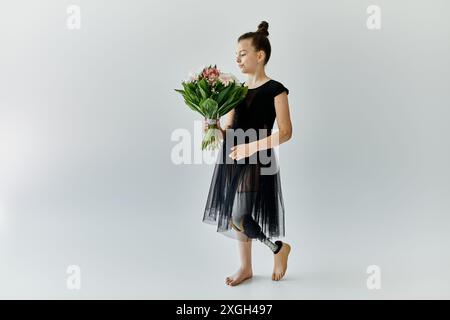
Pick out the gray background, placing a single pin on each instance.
(86, 175)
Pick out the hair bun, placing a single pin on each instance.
(263, 27)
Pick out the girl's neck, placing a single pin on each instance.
(256, 79)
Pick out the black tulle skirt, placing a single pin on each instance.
(252, 184)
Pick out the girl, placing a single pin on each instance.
(245, 198)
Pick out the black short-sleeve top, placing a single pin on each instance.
(257, 110)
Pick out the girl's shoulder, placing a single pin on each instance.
(276, 87)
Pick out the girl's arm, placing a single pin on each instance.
(284, 126)
(284, 132)
(229, 121)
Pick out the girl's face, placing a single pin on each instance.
(247, 58)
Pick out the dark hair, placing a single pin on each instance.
(259, 39)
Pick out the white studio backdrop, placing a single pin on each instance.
(92, 204)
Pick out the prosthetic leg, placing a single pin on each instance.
(242, 221)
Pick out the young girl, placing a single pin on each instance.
(245, 198)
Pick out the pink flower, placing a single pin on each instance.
(211, 74)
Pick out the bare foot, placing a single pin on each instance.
(280, 262)
(239, 276)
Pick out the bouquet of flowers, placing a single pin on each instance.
(212, 94)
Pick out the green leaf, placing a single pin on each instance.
(204, 88)
(224, 94)
(229, 100)
(193, 106)
(191, 93)
(210, 108)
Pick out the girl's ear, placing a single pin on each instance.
(261, 54)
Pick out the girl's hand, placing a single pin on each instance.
(205, 125)
(243, 150)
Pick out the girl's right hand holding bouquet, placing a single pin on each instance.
(206, 125)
